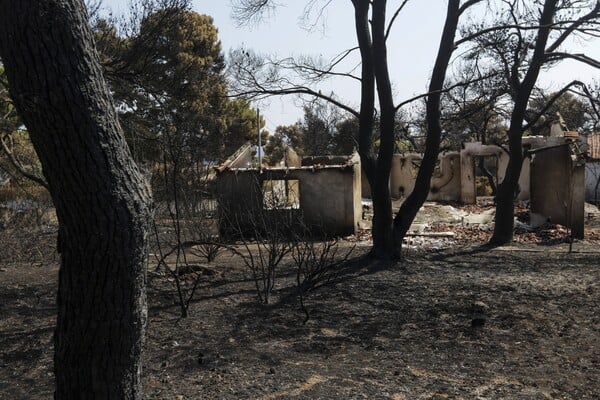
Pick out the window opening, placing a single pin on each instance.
(281, 194)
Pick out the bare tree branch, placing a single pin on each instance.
(247, 12)
(393, 19)
(445, 90)
(593, 14)
(551, 101)
(578, 57)
(19, 166)
(256, 94)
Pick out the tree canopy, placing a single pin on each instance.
(323, 130)
(168, 77)
(572, 109)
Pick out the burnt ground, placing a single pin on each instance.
(377, 331)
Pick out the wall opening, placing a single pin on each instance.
(486, 175)
(281, 194)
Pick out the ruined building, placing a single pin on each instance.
(325, 192)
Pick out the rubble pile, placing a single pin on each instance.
(441, 226)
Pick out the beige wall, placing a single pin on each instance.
(454, 180)
(558, 189)
(330, 195)
(445, 183)
(403, 174)
(330, 201)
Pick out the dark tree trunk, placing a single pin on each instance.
(388, 232)
(383, 219)
(367, 101)
(415, 200)
(374, 169)
(102, 201)
(505, 196)
(504, 219)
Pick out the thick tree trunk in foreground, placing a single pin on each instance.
(101, 199)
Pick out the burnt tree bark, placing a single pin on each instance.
(504, 219)
(374, 74)
(370, 24)
(367, 117)
(102, 201)
(415, 200)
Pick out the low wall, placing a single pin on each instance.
(328, 198)
(558, 187)
(445, 183)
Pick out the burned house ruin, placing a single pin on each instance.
(324, 193)
(320, 193)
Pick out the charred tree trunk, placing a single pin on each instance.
(388, 232)
(505, 196)
(415, 200)
(102, 201)
(504, 219)
(367, 102)
(374, 169)
(384, 247)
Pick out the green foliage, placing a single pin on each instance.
(239, 126)
(321, 132)
(317, 130)
(284, 135)
(9, 120)
(472, 120)
(168, 82)
(573, 110)
(344, 141)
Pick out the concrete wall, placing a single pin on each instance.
(468, 157)
(455, 177)
(403, 174)
(558, 188)
(554, 178)
(291, 158)
(445, 183)
(330, 197)
(472, 151)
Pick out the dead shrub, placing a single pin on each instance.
(316, 263)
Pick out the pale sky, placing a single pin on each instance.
(411, 48)
(410, 61)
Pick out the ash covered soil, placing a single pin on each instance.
(449, 321)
